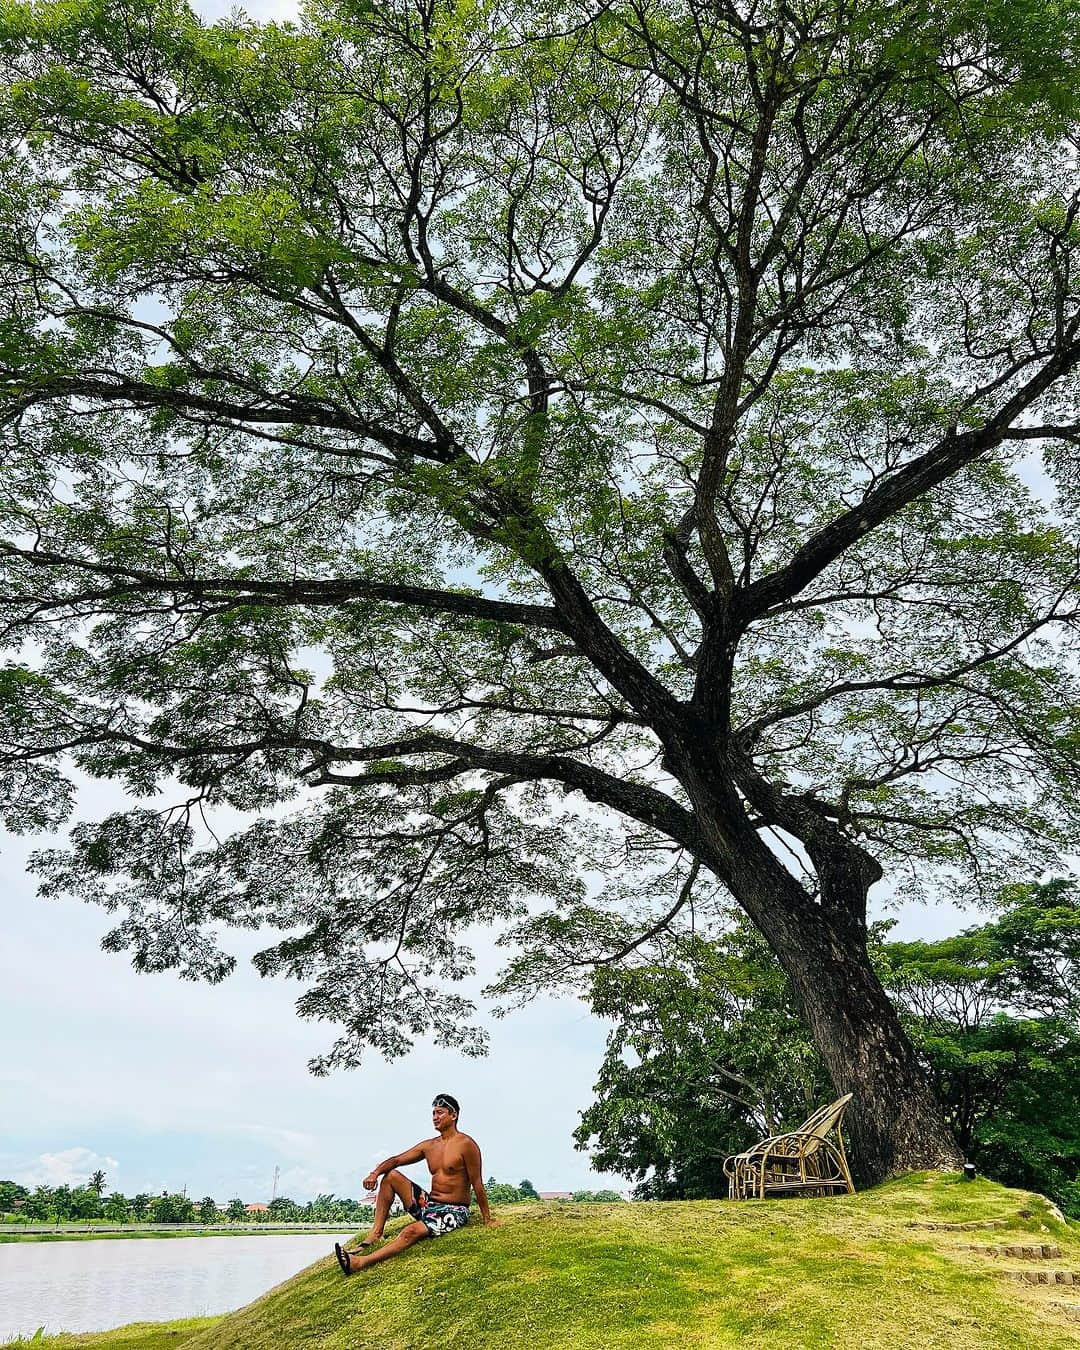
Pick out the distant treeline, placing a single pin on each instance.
(65, 1203)
(503, 1193)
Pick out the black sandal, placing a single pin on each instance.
(343, 1258)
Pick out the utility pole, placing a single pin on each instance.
(277, 1173)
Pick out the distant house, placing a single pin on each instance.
(556, 1195)
(257, 1209)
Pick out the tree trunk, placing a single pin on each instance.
(895, 1122)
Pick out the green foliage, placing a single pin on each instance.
(235, 1209)
(84, 1203)
(168, 1208)
(37, 1203)
(117, 1209)
(502, 1192)
(995, 1013)
(208, 1210)
(708, 1049)
(12, 1196)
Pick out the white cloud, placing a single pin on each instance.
(69, 1167)
(301, 1182)
(290, 1143)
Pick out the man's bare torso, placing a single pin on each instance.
(446, 1161)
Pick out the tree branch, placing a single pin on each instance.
(951, 454)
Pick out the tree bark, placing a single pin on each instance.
(895, 1121)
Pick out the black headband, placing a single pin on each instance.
(444, 1099)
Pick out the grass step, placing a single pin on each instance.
(1044, 1251)
(958, 1227)
(1044, 1276)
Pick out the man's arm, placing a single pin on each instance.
(411, 1155)
(476, 1180)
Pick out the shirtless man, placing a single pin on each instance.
(454, 1162)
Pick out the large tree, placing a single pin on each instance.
(572, 450)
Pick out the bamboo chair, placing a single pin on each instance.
(807, 1161)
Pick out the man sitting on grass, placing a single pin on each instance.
(454, 1162)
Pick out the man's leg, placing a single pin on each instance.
(393, 1183)
(409, 1235)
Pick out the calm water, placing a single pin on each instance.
(88, 1286)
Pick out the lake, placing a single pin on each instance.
(90, 1286)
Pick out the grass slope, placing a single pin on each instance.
(135, 1336)
(797, 1275)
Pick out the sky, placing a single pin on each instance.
(168, 1085)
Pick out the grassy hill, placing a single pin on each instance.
(890, 1268)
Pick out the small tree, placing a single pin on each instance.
(527, 1190)
(85, 1203)
(96, 1182)
(323, 1208)
(162, 1209)
(117, 1209)
(173, 1208)
(236, 1210)
(12, 1196)
(140, 1205)
(60, 1202)
(501, 1192)
(208, 1210)
(39, 1203)
(707, 1051)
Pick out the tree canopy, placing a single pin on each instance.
(566, 450)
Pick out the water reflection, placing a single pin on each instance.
(89, 1286)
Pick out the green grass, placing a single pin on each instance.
(135, 1336)
(789, 1275)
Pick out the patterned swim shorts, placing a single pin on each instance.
(438, 1218)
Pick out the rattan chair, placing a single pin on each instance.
(807, 1161)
